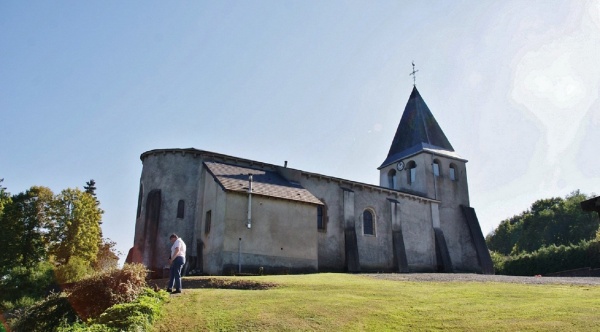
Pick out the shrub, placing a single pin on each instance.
(75, 270)
(81, 327)
(498, 260)
(20, 303)
(551, 259)
(135, 316)
(88, 298)
(33, 283)
(92, 296)
(46, 315)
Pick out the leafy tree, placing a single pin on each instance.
(552, 221)
(75, 270)
(107, 257)
(32, 282)
(4, 197)
(25, 222)
(5, 258)
(77, 231)
(505, 236)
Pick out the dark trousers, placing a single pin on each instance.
(175, 273)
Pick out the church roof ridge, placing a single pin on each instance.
(226, 159)
(418, 130)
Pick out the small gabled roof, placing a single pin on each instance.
(265, 183)
(418, 130)
(592, 204)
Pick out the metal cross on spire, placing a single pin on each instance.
(413, 74)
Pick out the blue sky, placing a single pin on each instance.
(86, 87)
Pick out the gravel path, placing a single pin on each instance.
(465, 277)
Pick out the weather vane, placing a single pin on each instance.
(413, 74)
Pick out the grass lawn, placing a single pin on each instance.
(346, 302)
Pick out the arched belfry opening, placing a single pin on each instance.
(392, 179)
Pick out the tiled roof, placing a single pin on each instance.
(418, 130)
(265, 183)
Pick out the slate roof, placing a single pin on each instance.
(418, 130)
(266, 183)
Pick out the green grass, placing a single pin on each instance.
(345, 302)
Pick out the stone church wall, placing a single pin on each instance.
(214, 200)
(417, 229)
(282, 235)
(452, 194)
(176, 176)
(331, 239)
(375, 251)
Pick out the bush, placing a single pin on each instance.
(92, 296)
(498, 260)
(87, 299)
(46, 315)
(21, 303)
(550, 259)
(21, 282)
(81, 327)
(135, 316)
(75, 270)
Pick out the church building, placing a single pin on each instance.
(244, 216)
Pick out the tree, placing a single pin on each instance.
(4, 197)
(75, 270)
(108, 256)
(25, 223)
(77, 231)
(505, 236)
(551, 221)
(32, 282)
(90, 187)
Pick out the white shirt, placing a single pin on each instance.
(178, 244)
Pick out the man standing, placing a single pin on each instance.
(176, 261)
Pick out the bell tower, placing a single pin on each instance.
(421, 159)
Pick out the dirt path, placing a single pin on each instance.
(463, 277)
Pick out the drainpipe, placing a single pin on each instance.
(249, 222)
(240, 256)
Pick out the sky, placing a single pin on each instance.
(87, 86)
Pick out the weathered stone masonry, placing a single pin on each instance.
(418, 218)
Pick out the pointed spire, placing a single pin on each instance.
(418, 130)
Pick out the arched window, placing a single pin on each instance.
(452, 171)
(392, 179)
(411, 172)
(368, 223)
(180, 209)
(436, 167)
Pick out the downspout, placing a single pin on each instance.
(249, 221)
(240, 256)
